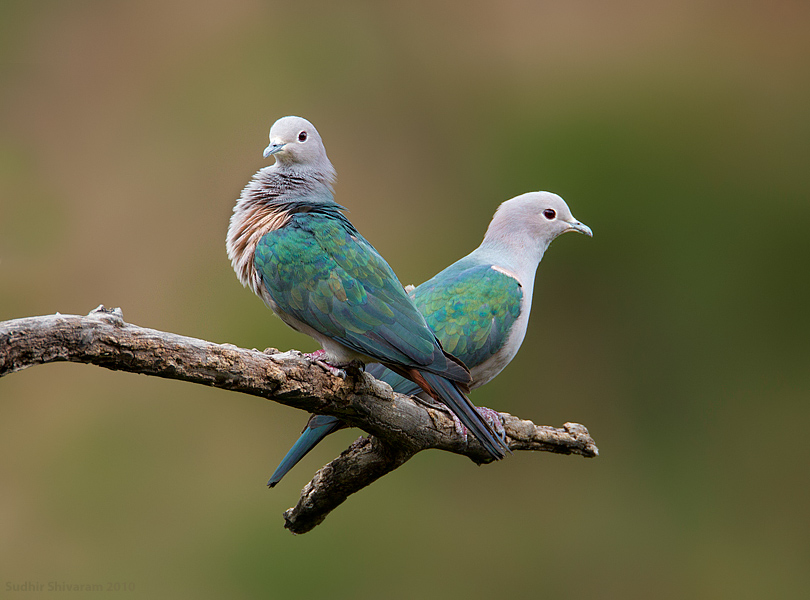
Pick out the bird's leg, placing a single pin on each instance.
(315, 357)
(460, 428)
(493, 417)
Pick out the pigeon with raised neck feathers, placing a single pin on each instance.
(290, 243)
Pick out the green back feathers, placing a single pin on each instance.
(471, 309)
(319, 269)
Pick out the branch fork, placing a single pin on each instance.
(399, 426)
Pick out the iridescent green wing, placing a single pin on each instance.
(471, 309)
(320, 270)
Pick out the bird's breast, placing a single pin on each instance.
(248, 224)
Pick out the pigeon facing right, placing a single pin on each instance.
(479, 306)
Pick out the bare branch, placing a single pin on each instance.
(399, 425)
(363, 463)
(368, 459)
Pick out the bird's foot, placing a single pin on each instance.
(492, 417)
(336, 371)
(460, 428)
(315, 357)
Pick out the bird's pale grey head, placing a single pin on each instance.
(297, 145)
(533, 220)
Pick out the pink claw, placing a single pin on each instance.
(460, 428)
(315, 358)
(493, 417)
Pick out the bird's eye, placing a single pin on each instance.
(549, 213)
(302, 137)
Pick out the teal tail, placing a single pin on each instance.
(318, 427)
(465, 411)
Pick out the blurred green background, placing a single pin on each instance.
(679, 131)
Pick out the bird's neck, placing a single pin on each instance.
(516, 251)
(267, 203)
(285, 184)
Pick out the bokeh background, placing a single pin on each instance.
(679, 131)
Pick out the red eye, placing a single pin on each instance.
(302, 137)
(549, 214)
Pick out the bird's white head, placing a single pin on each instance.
(527, 224)
(296, 144)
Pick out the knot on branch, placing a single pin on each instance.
(110, 315)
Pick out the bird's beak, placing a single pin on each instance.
(580, 227)
(272, 149)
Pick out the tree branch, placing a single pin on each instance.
(399, 425)
(368, 459)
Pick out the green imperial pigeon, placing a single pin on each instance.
(479, 306)
(290, 243)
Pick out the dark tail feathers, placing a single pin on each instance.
(318, 427)
(461, 406)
